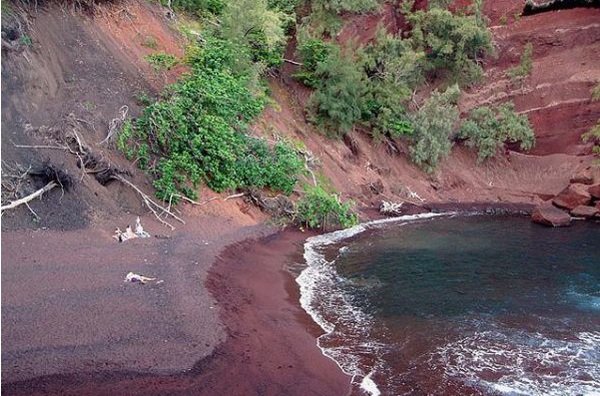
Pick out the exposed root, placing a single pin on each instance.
(30, 197)
(153, 206)
(115, 125)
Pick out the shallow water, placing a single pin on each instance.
(464, 305)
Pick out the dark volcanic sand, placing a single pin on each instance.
(270, 348)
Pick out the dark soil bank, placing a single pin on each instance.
(270, 347)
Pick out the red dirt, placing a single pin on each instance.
(71, 326)
(270, 348)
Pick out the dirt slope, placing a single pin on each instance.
(566, 66)
(75, 76)
(78, 74)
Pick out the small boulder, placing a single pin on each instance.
(549, 215)
(594, 191)
(584, 176)
(584, 211)
(572, 196)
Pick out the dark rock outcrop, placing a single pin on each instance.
(584, 211)
(549, 215)
(573, 196)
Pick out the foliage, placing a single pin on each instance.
(489, 128)
(150, 42)
(373, 85)
(452, 42)
(340, 6)
(312, 52)
(339, 100)
(196, 132)
(593, 134)
(319, 209)
(433, 125)
(324, 17)
(394, 70)
(161, 61)
(256, 30)
(198, 7)
(596, 93)
(518, 73)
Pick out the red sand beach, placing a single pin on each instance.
(71, 326)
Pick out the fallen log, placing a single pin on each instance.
(30, 197)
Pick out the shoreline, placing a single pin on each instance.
(269, 348)
(267, 331)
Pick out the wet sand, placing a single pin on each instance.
(71, 326)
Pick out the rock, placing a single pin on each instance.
(572, 196)
(583, 176)
(584, 211)
(549, 215)
(594, 191)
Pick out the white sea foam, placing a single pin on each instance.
(321, 297)
(369, 386)
(515, 362)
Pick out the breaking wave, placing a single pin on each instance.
(331, 307)
(515, 362)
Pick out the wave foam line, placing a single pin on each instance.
(320, 294)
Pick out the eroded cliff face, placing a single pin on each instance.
(89, 67)
(556, 97)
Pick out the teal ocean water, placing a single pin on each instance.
(469, 305)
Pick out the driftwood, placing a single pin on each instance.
(30, 197)
(153, 206)
(391, 208)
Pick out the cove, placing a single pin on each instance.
(459, 305)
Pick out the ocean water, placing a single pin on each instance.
(459, 305)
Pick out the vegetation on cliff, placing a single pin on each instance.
(375, 86)
(197, 131)
(594, 133)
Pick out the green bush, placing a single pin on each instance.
(319, 209)
(161, 61)
(593, 134)
(488, 129)
(312, 53)
(518, 73)
(339, 101)
(452, 42)
(394, 70)
(197, 132)
(433, 125)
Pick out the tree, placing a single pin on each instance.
(489, 129)
(339, 100)
(433, 125)
(256, 29)
(452, 42)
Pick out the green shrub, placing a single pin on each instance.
(452, 42)
(340, 98)
(518, 73)
(161, 61)
(394, 70)
(319, 209)
(256, 31)
(593, 134)
(312, 53)
(197, 132)
(433, 125)
(488, 129)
